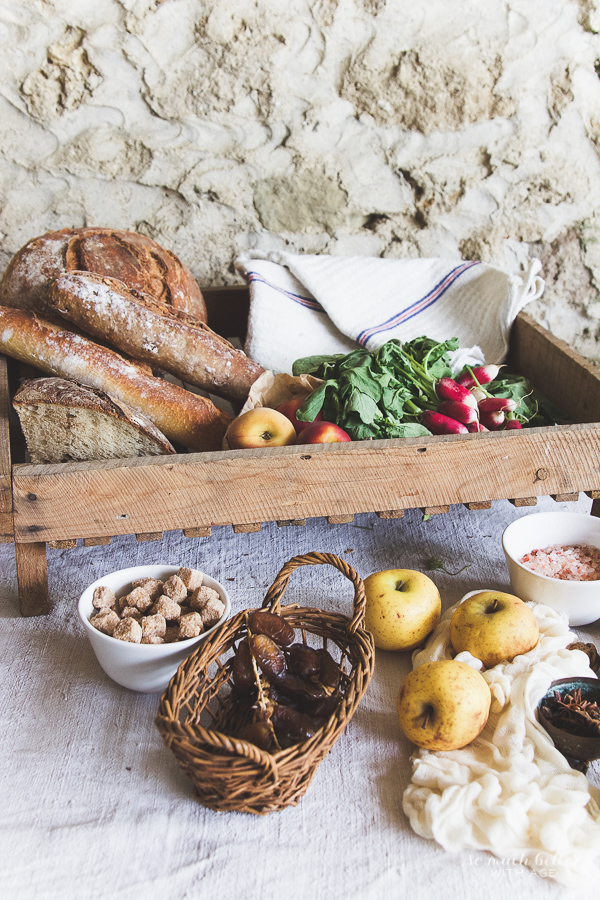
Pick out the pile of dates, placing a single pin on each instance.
(291, 688)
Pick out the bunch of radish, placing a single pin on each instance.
(465, 407)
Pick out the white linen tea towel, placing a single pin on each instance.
(307, 305)
(510, 791)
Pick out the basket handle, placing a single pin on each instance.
(277, 589)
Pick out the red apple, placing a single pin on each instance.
(291, 407)
(260, 427)
(322, 433)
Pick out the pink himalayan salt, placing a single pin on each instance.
(571, 562)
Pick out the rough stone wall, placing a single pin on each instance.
(381, 127)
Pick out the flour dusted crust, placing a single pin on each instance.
(63, 420)
(146, 329)
(138, 261)
(185, 418)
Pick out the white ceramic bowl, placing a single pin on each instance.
(578, 600)
(141, 667)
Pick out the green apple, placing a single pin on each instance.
(443, 705)
(494, 627)
(403, 607)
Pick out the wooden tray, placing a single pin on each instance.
(243, 488)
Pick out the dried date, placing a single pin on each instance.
(270, 657)
(242, 671)
(292, 726)
(303, 660)
(273, 626)
(329, 673)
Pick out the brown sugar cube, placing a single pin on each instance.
(175, 588)
(106, 621)
(104, 597)
(167, 607)
(150, 585)
(171, 634)
(192, 578)
(212, 611)
(131, 612)
(138, 597)
(152, 639)
(201, 596)
(128, 630)
(154, 626)
(190, 626)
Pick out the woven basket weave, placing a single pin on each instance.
(233, 774)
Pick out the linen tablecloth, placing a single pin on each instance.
(92, 805)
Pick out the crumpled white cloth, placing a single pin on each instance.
(306, 305)
(510, 791)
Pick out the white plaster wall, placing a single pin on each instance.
(383, 127)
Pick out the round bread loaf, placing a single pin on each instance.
(134, 259)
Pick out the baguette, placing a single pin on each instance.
(146, 329)
(137, 260)
(64, 421)
(185, 418)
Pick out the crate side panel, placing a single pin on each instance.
(557, 371)
(243, 487)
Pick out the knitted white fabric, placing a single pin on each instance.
(511, 791)
(309, 305)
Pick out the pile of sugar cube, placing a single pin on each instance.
(158, 612)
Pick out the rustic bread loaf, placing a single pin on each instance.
(63, 421)
(185, 418)
(146, 329)
(136, 260)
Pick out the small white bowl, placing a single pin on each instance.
(578, 600)
(147, 668)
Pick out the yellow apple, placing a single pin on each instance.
(260, 427)
(403, 607)
(443, 705)
(494, 627)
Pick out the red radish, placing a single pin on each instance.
(483, 374)
(440, 424)
(459, 411)
(448, 389)
(477, 426)
(478, 394)
(492, 420)
(494, 404)
(512, 424)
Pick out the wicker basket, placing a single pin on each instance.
(233, 774)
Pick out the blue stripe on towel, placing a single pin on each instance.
(418, 306)
(297, 298)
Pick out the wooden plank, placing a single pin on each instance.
(96, 542)
(248, 528)
(435, 510)
(558, 372)
(523, 501)
(339, 520)
(6, 521)
(200, 531)
(593, 495)
(566, 498)
(32, 578)
(284, 523)
(245, 487)
(391, 514)
(150, 536)
(62, 545)
(479, 504)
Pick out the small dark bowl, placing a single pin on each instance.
(573, 746)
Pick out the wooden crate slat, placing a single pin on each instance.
(340, 520)
(62, 545)
(557, 371)
(566, 498)
(96, 542)
(199, 531)
(391, 513)
(283, 523)
(32, 577)
(479, 504)
(435, 510)
(523, 501)
(246, 487)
